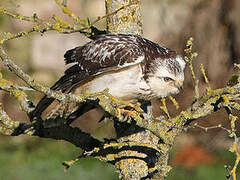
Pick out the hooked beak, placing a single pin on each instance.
(181, 88)
(179, 85)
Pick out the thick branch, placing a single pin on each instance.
(70, 134)
(46, 129)
(127, 21)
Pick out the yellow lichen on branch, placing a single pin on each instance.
(55, 23)
(205, 77)
(190, 56)
(20, 17)
(6, 124)
(127, 21)
(66, 10)
(41, 26)
(17, 92)
(234, 149)
(122, 150)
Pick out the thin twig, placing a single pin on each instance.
(67, 11)
(17, 92)
(21, 17)
(206, 129)
(205, 77)
(234, 148)
(61, 26)
(190, 56)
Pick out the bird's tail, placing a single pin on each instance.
(70, 79)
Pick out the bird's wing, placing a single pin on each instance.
(106, 53)
(63, 84)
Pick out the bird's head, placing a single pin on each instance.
(167, 76)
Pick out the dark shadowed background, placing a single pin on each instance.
(197, 154)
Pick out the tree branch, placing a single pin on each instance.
(17, 92)
(53, 129)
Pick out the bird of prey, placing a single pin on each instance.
(130, 66)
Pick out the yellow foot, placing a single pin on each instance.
(126, 114)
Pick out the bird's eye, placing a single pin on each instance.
(167, 79)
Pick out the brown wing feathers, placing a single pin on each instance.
(72, 76)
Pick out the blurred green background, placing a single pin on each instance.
(215, 27)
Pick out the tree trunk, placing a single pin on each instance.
(129, 20)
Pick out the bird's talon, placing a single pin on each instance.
(124, 113)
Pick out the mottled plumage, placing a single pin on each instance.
(131, 67)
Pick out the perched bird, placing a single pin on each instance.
(130, 66)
